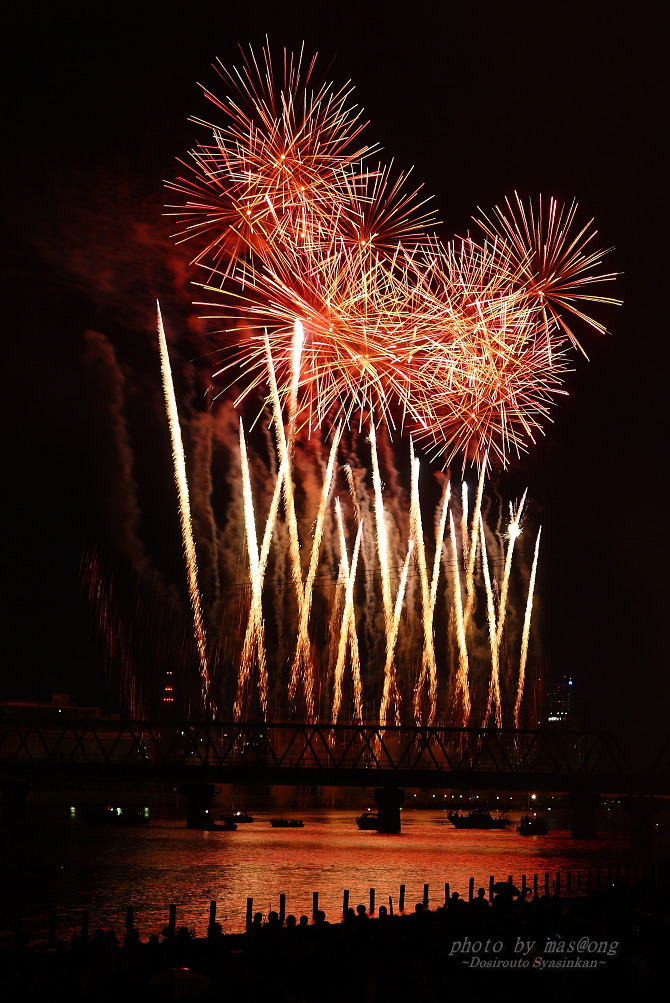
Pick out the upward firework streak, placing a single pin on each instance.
(310, 701)
(333, 295)
(184, 514)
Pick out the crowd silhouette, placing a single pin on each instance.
(614, 940)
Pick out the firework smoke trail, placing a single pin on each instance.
(185, 514)
(254, 638)
(392, 636)
(303, 666)
(526, 631)
(494, 681)
(428, 663)
(348, 636)
(462, 676)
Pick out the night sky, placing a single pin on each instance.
(483, 98)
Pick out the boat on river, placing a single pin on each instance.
(368, 820)
(115, 816)
(239, 817)
(478, 818)
(532, 825)
(286, 823)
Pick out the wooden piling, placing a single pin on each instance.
(172, 922)
(446, 892)
(523, 887)
(250, 914)
(345, 902)
(401, 899)
(390, 906)
(282, 908)
(535, 885)
(425, 899)
(557, 885)
(212, 913)
(372, 901)
(130, 918)
(546, 882)
(471, 889)
(315, 905)
(492, 881)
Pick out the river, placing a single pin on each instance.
(55, 862)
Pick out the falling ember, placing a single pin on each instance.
(185, 515)
(526, 632)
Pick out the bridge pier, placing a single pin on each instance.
(199, 797)
(15, 793)
(388, 801)
(584, 805)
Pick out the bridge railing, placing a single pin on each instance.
(322, 746)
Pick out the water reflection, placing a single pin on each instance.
(66, 866)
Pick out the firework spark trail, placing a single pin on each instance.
(185, 515)
(472, 552)
(513, 533)
(254, 638)
(526, 631)
(465, 540)
(349, 474)
(493, 699)
(463, 673)
(392, 637)
(348, 636)
(302, 669)
(285, 450)
(428, 662)
(440, 525)
(390, 687)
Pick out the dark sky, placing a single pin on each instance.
(482, 98)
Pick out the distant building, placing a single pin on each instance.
(560, 701)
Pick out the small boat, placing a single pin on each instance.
(479, 818)
(368, 820)
(286, 823)
(241, 816)
(238, 817)
(115, 816)
(532, 825)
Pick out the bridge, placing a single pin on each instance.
(586, 762)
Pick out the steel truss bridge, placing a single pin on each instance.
(325, 755)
